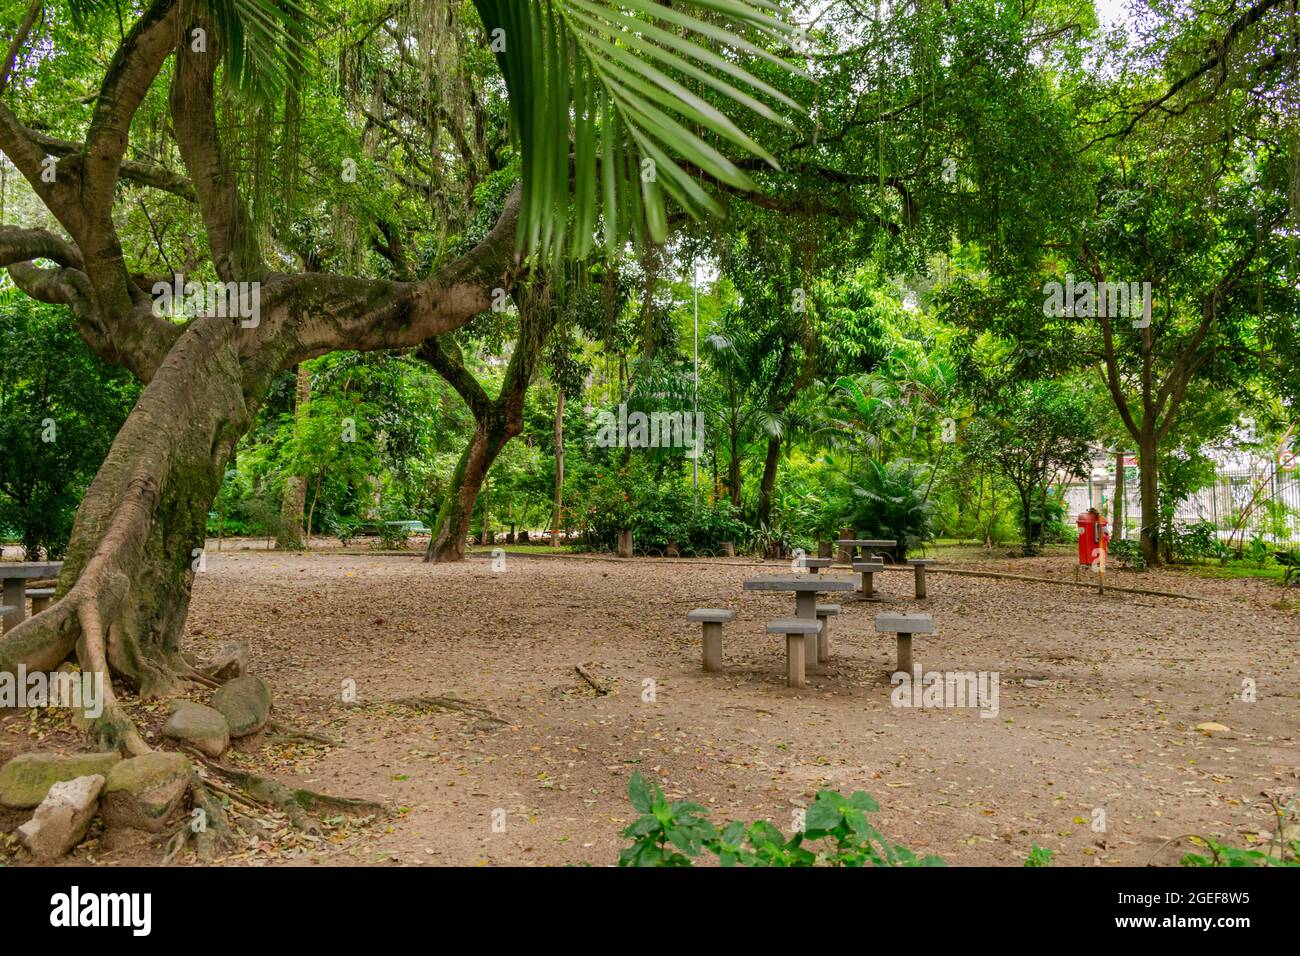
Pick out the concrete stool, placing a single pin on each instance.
(824, 614)
(799, 633)
(816, 564)
(919, 566)
(713, 618)
(904, 625)
(868, 569)
(41, 598)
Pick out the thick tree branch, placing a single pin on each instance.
(328, 312)
(144, 174)
(231, 236)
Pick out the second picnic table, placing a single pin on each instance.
(801, 639)
(14, 576)
(806, 587)
(852, 544)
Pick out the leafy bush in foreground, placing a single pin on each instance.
(675, 834)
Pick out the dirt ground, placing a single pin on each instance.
(1098, 703)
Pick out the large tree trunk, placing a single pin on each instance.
(138, 535)
(451, 528)
(558, 505)
(125, 587)
(497, 419)
(1149, 491)
(733, 471)
(290, 534)
(763, 511)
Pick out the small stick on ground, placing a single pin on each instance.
(599, 687)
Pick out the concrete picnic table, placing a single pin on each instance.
(15, 575)
(851, 545)
(805, 587)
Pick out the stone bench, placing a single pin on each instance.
(919, 565)
(904, 625)
(868, 569)
(800, 633)
(824, 614)
(712, 618)
(41, 598)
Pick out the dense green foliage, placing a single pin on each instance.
(836, 832)
(59, 410)
(874, 349)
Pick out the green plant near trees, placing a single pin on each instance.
(891, 503)
(1126, 552)
(1029, 433)
(1286, 853)
(837, 832)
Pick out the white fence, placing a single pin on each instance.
(1240, 503)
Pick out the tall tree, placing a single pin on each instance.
(497, 420)
(290, 535)
(204, 373)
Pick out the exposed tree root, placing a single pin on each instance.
(209, 830)
(289, 734)
(296, 804)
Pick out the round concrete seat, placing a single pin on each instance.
(904, 625)
(718, 615)
(890, 622)
(868, 570)
(798, 631)
(824, 613)
(793, 625)
(918, 566)
(712, 618)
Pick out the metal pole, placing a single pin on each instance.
(695, 288)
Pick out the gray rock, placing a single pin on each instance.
(25, 780)
(63, 817)
(227, 664)
(202, 727)
(245, 702)
(142, 792)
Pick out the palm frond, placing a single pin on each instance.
(618, 84)
(264, 44)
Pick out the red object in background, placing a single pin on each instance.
(1092, 535)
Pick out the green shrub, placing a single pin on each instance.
(1219, 854)
(1128, 554)
(1038, 856)
(891, 503)
(1195, 542)
(676, 834)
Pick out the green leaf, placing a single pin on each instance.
(639, 792)
(609, 81)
